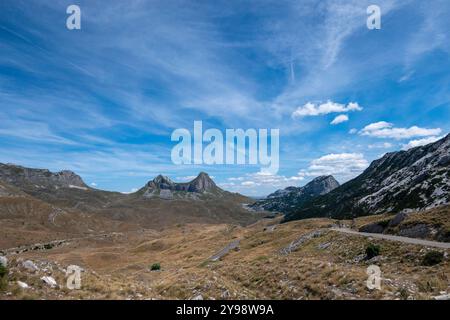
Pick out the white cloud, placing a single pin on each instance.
(420, 142)
(353, 131)
(385, 145)
(93, 184)
(252, 183)
(385, 129)
(311, 109)
(339, 119)
(343, 166)
(186, 178)
(133, 190)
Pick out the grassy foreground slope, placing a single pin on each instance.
(320, 264)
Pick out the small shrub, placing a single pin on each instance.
(403, 293)
(432, 258)
(3, 271)
(3, 277)
(155, 267)
(372, 250)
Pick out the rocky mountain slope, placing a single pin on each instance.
(39, 178)
(289, 199)
(416, 179)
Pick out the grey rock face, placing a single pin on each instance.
(372, 228)
(399, 218)
(41, 178)
(291, 198)
(164, 187)
(416, 231)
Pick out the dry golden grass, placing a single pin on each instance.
(119, 267)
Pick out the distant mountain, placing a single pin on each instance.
(165, 188)
(415, 179)
(289, 199)
(64, 188)
(39, 178)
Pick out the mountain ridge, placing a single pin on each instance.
(284, 200)
(411, 180)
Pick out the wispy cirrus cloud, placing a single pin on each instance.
(137, 70)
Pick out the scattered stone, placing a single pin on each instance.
(23, 285)
(323, 246)
(374, 260)
(49, 281)
(30, 266)
(232, 246)
(294, 245)
(225, 294)
(442, 297)
(198, 297)
(359, 258)
(3, 261)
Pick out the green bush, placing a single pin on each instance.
(3, 277)
(432, 257)
(3, 271)
(372, 250)
(155, 267)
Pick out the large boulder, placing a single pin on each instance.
(399, 218)
(372, 228)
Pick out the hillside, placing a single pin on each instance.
(416, 179)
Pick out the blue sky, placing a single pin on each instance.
(104, 100)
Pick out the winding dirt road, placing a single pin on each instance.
(427, 243)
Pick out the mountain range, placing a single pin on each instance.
(416, 179)
(412, 180)
(63, 196)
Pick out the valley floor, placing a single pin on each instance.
(297, 260)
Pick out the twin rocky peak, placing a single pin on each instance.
(202, 183)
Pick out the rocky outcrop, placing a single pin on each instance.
(39, 178)
(164, 188)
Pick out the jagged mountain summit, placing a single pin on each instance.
(163, 187)
(416, 179)
(39, 178)
(289, 199)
